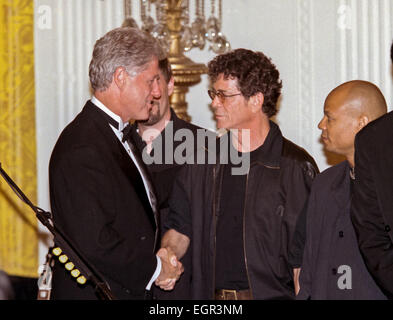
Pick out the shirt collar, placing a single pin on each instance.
(111, 114)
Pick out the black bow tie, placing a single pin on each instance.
(126, 133)
(126, 130)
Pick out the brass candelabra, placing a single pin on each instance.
(176, 35)
(186, 72)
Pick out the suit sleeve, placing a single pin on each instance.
(374, 241)
(295, 254)
(179, 217)
(84, 207)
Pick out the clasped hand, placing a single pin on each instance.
(171, 269)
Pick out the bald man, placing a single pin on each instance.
(332, 265)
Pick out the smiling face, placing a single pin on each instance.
(138, 92)
(339, 125)
(231, 112)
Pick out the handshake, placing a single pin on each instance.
(171, 269)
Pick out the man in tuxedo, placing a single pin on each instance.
(101, 194)
(372, 205)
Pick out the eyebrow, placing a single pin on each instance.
(221, 90)
(156, 76)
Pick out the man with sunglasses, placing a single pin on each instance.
(240, 226)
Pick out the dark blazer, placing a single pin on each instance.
(331, 245)
(99, 201)
(372, 207)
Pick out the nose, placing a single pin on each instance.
(156, 90)
(216, 102)
(322, 124)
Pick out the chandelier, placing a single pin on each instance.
(195, 34)
(169, 21)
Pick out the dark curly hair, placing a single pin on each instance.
(254, 73)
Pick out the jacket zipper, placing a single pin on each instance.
(244, 227)
(244, 224)
(215, 233)
(244, 234)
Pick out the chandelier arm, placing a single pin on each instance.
(127, 9)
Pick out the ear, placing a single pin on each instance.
(363, 121)
(171, 85)
(120, 77)
(256, 102)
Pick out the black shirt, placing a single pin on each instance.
(163, 173)
(231, 270)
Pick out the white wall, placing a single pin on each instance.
(316, 45)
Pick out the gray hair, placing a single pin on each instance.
(125, 47)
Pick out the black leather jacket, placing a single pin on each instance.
(277, 187)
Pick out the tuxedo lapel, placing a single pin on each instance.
(122, 158)
(133, 174)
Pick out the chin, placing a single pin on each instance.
(143, 117)
(221, 125)
(331, 150)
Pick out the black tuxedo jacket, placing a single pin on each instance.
(99, 201)
(372, 205)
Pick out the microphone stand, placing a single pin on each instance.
(87, 270)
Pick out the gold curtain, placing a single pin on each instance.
(18, 225)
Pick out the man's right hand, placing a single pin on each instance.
(171, 269)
